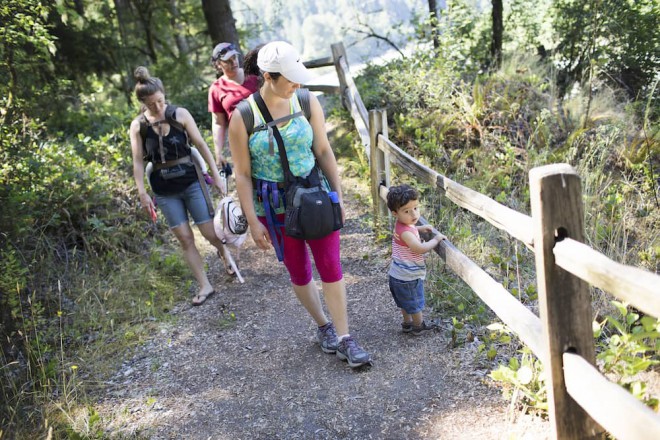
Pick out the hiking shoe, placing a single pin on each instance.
(349, 350)
(425, 327)
(406, 327)
(327, 337)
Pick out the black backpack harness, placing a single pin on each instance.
(170, 118)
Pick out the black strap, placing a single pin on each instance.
(245, 110)
(278, 137)
(170, 118)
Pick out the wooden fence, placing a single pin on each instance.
(582, 402)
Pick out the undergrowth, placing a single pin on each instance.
(83, 276)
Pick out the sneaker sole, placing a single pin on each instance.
(352, 364)
(328, 350)
(422, 332)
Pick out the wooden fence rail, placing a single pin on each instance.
(582, 402)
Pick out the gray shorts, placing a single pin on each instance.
(175, 207)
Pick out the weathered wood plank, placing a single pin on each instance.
(511, 311)
(319, 62)
(613, 407)
(323, 88)
(406, 162)
(349, 95)
(630, 284)
(378, 126)
(564, 300)
(352, 91)
(518, 225)
(360, 126)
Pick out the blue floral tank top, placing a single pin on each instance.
(297, 135)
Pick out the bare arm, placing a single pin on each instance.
(186, 119)
(421, 247)
(240, 153)
(323, 151)
(138, 165)
(219, 125)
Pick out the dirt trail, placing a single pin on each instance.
(261, 375)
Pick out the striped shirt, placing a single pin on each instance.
(406, 264)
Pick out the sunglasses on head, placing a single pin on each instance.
(224, 50)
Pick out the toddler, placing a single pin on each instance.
(408, 269)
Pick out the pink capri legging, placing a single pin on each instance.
(296, 258)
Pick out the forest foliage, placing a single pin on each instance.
(80, 268)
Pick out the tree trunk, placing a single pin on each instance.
(433, 15)
(220, 21)
(177, 29)
(145, 13)
(122, 9)
(498, 31)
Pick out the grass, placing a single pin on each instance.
(75, 333)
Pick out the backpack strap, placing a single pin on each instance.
(247, 114)
(170, 118)
(303, 99)
(143, 130)
(269, 194)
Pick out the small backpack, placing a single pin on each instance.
(170, 118)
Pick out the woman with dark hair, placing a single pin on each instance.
(174, 179)
(281, 73)
(229, 89)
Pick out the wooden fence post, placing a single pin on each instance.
(339, 51)
(379, 166)
(564, 300)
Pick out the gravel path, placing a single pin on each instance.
(245, 365)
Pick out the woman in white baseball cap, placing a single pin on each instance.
(282, 73)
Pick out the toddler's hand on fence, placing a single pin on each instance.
(425, 228)
(440, 237)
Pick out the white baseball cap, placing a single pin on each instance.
(281, 57)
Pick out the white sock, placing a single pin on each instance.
(342, 337)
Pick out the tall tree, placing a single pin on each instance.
(433, 15)
(177, 26)
(220, 21)
(621, 39)
(498, 32)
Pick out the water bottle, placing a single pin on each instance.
(336, 211)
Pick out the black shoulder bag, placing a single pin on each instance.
(311, 212)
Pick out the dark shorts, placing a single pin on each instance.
(408, 295)
(176, 207)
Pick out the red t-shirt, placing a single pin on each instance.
(224, 95)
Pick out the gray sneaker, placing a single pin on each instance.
(327, 337)
(349, 350)
(406, 327)
(425, 327)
